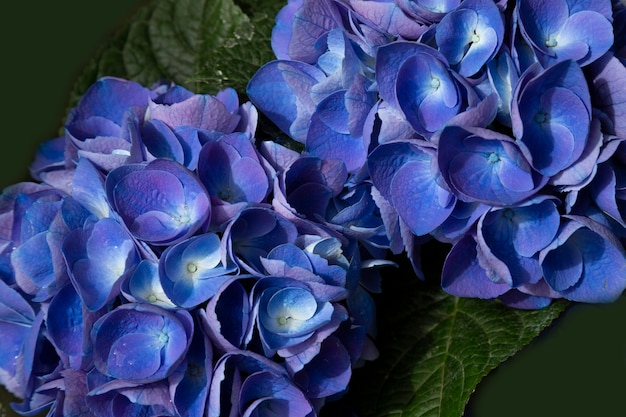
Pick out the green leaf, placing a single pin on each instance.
(203, 45)
(435, 348)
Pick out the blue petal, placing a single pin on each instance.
(464, 277)
(419, 199)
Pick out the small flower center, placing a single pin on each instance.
(475, 37)
(435, 83)
(192, 268)
(163, 338)
(493, 158)
(551, 42)
(224, 194)
(541, 117)
(152, 298)
(183, 217)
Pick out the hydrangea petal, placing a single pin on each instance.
(464, 277)
(418, 197)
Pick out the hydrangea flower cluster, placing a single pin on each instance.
(496, 127)
(164, 263)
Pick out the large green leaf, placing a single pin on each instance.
(204, 45)
(435, 349)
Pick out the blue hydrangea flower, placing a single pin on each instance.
(161, 202)
(140, 342)
(607, 76)
(418, 80)
(388, 18)
(190, 388)
(482, 165)
(290, 312)
(19, 326)
(430, 11)
(566, 29)
(227, 319)
(65, 323)
(99, 256)
(282, 91)
(585, 262)
(470, 35)
(328, 373)
(234, 176)
(403, 172)
(144, 285)
(254, 233)
(509, 240)
(502, 78)
(37, 263)
(191, 271)
(308, 184)
(301, 27)
(126, 398)
(551, 114)
(246, 383)
(102, 127)
(178, 107)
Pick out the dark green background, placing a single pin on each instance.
(576, 368)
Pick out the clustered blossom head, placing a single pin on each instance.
(493, 126)
(163, 262)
